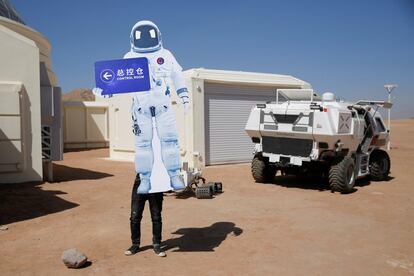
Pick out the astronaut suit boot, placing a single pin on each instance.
(155, 105)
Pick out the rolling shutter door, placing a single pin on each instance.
(227, 108)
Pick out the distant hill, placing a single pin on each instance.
(80, 94)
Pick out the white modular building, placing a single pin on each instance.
(213, 131)
(30, 119)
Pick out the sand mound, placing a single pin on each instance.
(80, 94)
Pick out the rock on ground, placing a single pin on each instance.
(73, 258)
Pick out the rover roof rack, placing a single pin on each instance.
(383, 104)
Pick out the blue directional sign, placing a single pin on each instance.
(122, 75)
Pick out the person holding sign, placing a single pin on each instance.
(157, 155)
(154, 108)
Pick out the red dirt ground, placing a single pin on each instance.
(295, 227)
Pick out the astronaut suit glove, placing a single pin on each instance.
(183, 94)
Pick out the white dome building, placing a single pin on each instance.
(30, 118)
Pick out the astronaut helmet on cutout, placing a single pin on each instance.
(145, 37)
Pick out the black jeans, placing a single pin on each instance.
(137, 207)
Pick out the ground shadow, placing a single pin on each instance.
(365, 181)
(185, 194)
(316, 182)
(362, 182)
(62, 173)
(389, 178)
(189, 192)
(301, 182)
(82, 149)
(87, 264)
(180, 195)
(24, 201)
(201, 239)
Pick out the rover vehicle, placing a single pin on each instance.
(301, 133)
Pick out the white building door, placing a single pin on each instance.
(227, 108)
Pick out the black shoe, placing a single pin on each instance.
(132, 250)
(158, 251)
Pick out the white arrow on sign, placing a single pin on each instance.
(107, 76)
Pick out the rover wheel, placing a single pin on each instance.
(342, 175)
(204, 192)
(261, 170)
(379, 165)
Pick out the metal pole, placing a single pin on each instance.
(389, 123)
(389, 88)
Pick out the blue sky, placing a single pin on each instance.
(349, 47)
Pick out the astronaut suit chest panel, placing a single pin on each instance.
(160, 67)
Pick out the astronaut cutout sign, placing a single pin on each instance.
(157, 154)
